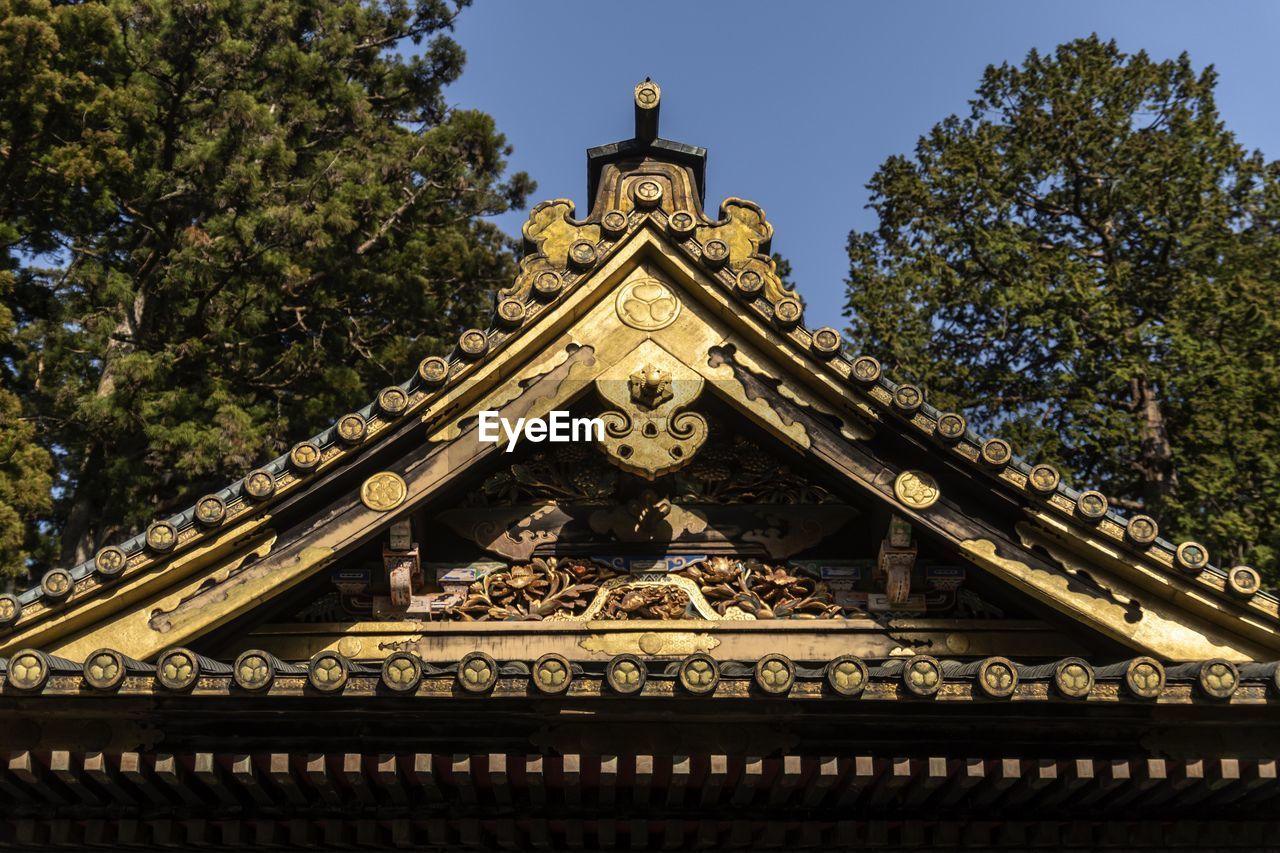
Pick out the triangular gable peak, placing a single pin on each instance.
(643, 312)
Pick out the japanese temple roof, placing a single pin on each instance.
(566, 253)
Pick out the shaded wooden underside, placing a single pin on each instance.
(572, 801)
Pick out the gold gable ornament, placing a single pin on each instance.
(383, 491)
(648, 433)
(916, 489)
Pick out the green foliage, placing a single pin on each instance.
(25, 484)
(25, 468)
(227, 222)
(1087, 264)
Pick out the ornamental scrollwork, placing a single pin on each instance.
(554, 243)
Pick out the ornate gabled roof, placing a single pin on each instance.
(647, 195)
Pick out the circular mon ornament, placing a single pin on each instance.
(260, 484)
(1219, 678)
(552, 673)
(626, 674)
(715, 252)
(582, 253)
(614, 222)
(922, 675)
(352, 427)
(401, 672)
(699, 674)
(865, 369)
(10, 609)
(111, 561)
(328, 671)
(787, 312)
(1144, 677)
(162, 536)
(647, 193)
(951, 426)
(253, 670)
(57, 584)
(847, 675)
(997, 678)
(647, 304)
(177, 669)
(433, 370)
(28, 670)
(383, 491)
(1244, 581)
(916, 489)
(104, 669)
(211, 510)
(305, 455)
(1091, 505)
(1073, 677)
(1044, 479)
(1142, 529)
(477, 672)
(775, 674)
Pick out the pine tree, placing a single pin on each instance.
(226, 222)
(1087, 264)
(25, 473)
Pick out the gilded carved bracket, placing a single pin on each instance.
(743, 227)
(555, 243)
(552, 231)
(741, 240)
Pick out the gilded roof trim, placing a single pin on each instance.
(731, 251)
(179, 671)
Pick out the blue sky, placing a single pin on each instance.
(798, 103)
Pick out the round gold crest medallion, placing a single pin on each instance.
(916, 489)
(647, 304)
(383, 491)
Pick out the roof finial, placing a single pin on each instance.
(646, 145)
(648, 96)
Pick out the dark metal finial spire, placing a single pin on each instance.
(648, 99)
(646, 144)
